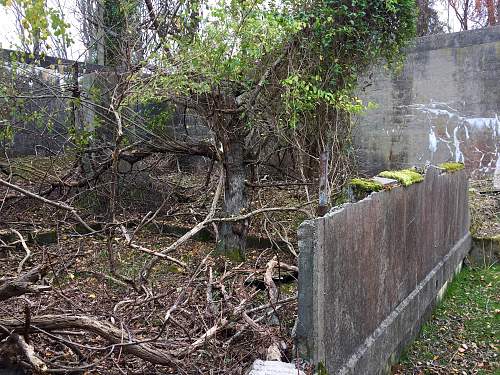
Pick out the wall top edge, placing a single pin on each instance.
(455, 40)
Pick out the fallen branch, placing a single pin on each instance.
(25, 247)
(259, 211)
(148, 251)
(212, 331)
(59, 205)
(105, 330)
(24, 284)
(209, 219)
(37, 365)
(146, 270)
(268, 280)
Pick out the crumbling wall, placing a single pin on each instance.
(443, 105)
(370, 271)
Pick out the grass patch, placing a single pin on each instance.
(462, 335)
(405, 177)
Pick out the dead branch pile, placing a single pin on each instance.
(126, 296)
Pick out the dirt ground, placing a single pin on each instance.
(205, 313)
(209, 314)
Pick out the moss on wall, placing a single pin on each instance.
(365, 184)
(361, 187)
(405, 177)
(451, 167)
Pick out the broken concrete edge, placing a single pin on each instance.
(421, 301)
(363, 187)
(451, 166)
(405, 177)
(365, 184)
(307, 234)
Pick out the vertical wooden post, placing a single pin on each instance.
(323, 184)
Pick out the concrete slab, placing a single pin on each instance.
(261, 367)
(370, 271)
(385, 181)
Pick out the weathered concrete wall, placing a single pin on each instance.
(444, 105)
(370, 271)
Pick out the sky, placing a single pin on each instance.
(8, 35)
(9, 40)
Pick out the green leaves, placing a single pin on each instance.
(234, 42)
(302, 97)
(326, 43)
(341, 40)
(40, 21)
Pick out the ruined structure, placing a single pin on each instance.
(371, 271)
(443, 105)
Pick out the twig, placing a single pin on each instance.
(60, 205)
(268, 280)
(25, 247)
(148, 251)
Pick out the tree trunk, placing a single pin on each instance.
(232, 235)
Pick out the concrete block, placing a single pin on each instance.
(260, 367)
(385, 181)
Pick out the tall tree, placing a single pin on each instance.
(474, 14)
(258, 73)
(252, 67)
(428, 21)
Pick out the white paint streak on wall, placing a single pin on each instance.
(496, 176)
(459, 156)
(481, 122)
(432, 141)
(470, 125)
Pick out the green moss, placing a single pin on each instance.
(340, 198)
(175, 269)
(288, 288)
(233, 254)
(362, 187)
(451, 167)
(406, 177)
(365, 185)
(322, 369)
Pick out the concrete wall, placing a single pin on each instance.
(444, 105)
(41, 125)
(370, 271)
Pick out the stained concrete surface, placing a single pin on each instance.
(444, 105)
